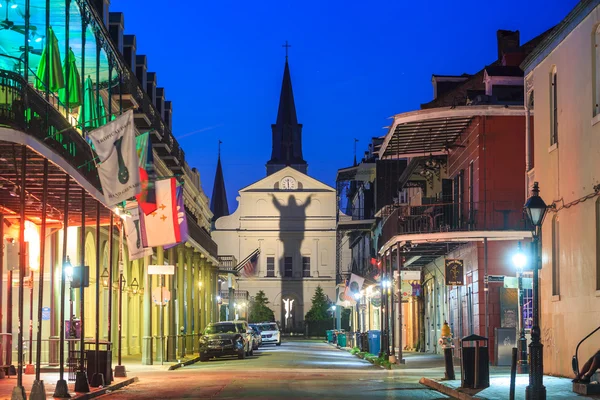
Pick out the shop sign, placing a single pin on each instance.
(455, 272)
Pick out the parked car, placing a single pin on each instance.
(256, 335)
(225, 338)
(270, 333)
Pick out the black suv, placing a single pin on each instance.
(225, 339)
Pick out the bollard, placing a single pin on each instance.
(446, 342)
(513, 373)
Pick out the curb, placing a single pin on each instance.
(106, 389)
(183, 364)
(435, 385)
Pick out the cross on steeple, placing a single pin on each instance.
(287, 46)
(220, 148)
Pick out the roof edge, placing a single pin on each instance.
(560, 33)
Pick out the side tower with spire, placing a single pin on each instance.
(218, 202)
(287, 132)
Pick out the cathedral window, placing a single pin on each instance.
(306, 267)
(270, 267)
(287, 272)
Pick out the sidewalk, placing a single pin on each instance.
(133, 366)
(431, 369)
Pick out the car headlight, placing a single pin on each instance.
(204, 339)
(239, 343)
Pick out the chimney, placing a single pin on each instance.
(129, 51)
(116, 26)
(508, 42)
(101, 7)
(141, 68)
(169, 114)
(160, 102)
(151, 86)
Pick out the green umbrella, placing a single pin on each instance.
(74, 83)
(54, 69)
(102, 117)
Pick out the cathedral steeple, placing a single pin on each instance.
(218, 202)
(287, 132)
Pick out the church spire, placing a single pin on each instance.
(287, 132)
(218, 202)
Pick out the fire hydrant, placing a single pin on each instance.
(447, 344)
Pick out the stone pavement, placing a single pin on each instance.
(432, 368)
(50, 375)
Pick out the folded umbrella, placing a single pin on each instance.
(74, 83)
(52, 66)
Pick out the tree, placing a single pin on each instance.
(259, 311)
(320, 306)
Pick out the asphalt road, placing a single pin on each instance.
(295, 370)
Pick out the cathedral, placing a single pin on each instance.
(287, 220)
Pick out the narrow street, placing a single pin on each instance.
(296, 370)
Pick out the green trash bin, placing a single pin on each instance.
(329, 336)
(341, 339)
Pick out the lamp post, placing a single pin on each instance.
(333, 315)
(520, 261)
(536, 211)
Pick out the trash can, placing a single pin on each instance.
(104, 364)
(475, 362)
(350, 339)
(364, 337)
(329, 334)
(341, 339)
(374, 341)
(358, 340)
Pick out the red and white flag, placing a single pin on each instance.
(161, 227)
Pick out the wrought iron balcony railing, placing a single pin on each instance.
(454, 217)
(23, 108)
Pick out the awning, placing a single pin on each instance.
(363, 172)
(432, 131)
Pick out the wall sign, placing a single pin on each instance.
(455, 275)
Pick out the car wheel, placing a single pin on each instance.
(242, 354)
(203, 358)
(252, 351)
(278, 343)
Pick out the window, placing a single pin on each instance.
(288, 267)
(471, 194)
(596, 69)
(598, 244)
(270, 267)
(555, 257)
(306, 267)
(553, 107)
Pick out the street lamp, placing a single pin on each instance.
(536, 210)
(519, 260)
(134, 285)
(104, 278)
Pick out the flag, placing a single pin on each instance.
(181, 219)
(354, 287)
(250, 266)
(341, 296)
(115, 145)
(161, 228)
(133, 232)
(147, 197)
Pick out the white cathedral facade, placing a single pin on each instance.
(290, 217)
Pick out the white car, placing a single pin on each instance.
(269, 332)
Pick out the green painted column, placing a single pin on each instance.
(216, 289)
(189, 281)
(202, 298)
(196, 289)
(180, 294)
(172, 325)
(147, 316)
(160, 343)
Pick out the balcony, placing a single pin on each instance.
(22, 108)
(238, 295)
(360, 219)
(227, 264)
(200, 236)
(452, 217)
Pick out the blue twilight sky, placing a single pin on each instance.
(353, 64)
